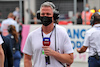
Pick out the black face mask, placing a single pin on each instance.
(46, 20)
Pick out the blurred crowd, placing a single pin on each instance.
(64, 19)
(82, 18)
(11, 29)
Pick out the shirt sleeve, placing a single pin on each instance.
(67, 45)
(1, 41)
(28, 46)
(86, 40)
(2, 26)
(16, 25)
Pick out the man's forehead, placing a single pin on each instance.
(46, 8)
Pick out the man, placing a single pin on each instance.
(1, 53)
(92, 42)
(86, 15)
(16, 13)
(47, 49)
(7, 22)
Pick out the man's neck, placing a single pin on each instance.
(48, 29)
(10, 18)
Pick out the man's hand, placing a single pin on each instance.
(78, 50)
(82, 49)
(64, 58)
(47, 50)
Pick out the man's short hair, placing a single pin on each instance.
(48, 4)
(10, 15)
(97, 17)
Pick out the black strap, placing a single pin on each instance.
(55, 37)
(61, 64)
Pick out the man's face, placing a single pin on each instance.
(46, 11)
(46, 15)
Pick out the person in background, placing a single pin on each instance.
(19, 24)
(17, 19)
(79, 19)
(0, 14)
(92, 42)
(20, 27)
(5, 23)
(15, 44)
(95, 9)
(1, 53)
(16, 13)
(48, 48)
(86, 15)
(33, 16)
(8, 62)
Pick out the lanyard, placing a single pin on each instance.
(50, 34)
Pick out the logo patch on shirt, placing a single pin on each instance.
(46, 41)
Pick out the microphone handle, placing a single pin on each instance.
(47, 59)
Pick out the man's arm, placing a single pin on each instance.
(82, 49)
(27, 60)
(64, 58)
(1, 57)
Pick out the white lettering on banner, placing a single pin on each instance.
(46, 39)
(46, 42)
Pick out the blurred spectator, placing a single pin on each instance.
(94, 10)
(19, 24)
(79, 19)
(86, 15)
(8, 62)
(9, 21)
(1, 53)
(17, 19)
(33, 16)
(16, 13)
(15, 45)
(0, 14)
(73, 18)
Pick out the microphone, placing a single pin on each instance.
(46, 42)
